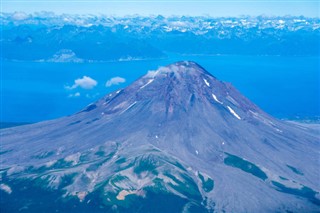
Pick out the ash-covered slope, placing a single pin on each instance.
(175, 140)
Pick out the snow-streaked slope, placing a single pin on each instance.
(165, 135)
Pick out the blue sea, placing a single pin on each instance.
(285, 87)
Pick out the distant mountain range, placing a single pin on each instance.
(175, 140)
(46, 36)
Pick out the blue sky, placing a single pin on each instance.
(164, 7)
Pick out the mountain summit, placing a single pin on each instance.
(175, 140)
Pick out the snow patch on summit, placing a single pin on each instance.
(131, 105)
(149, 82)
(216, 99)
(206, 82)
(234, 113)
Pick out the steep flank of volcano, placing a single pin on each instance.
(175, 140)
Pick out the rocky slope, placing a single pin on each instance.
(176, 140)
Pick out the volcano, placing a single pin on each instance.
(175, 140)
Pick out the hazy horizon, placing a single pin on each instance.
(169, 8)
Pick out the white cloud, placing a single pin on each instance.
(18, 16)
(85, 82)
(115, 81)
(162, 69)
(77, 94)
(92, 95)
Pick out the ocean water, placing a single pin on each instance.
(285, 87)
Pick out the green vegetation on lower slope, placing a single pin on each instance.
(244, 165)
(207, 183)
